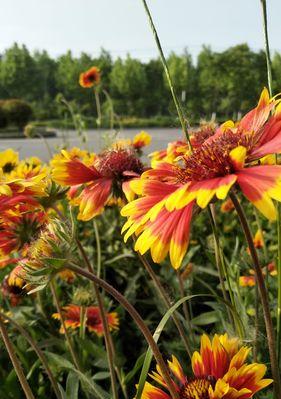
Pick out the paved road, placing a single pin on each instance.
(36, 147)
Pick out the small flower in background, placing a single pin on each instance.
(227, 206)
(174, 150)
(258, 239)
(141, 140)
(71, 315)
(93, 186)
(219, 370)
(9, 159)
(90, 78)
(247, 281)
(67, 275)
(272, 269)
(12, 286)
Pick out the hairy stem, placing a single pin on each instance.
(67, 337)
(38, 351)
(107, 335)
(17, 366)
(263, 295)
(223, 273)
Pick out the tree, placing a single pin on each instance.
(18, 74)
(128, 81)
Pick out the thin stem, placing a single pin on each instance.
(97, 99)
(263, 295)
(223, 273)
(97, 237)
(83, 319)
(184, 305)
(138, 320)
(168, 75)
(166, 300)
(37, 350)
(107, 335)
(266, 43)
(256, 336)
(68, 340)
(17, 366)
(111, 108)
(269, 78)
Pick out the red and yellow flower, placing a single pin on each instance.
(90, 78)
(92, 186)
(19, 226)
(141, 139)
(71, 315)
(219, 370)
(161, 217)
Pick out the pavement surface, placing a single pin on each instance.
(96, 141)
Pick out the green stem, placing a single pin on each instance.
(167, 72)
(17, 366)
(263, 296)
(269, 78)
(83, 320)
(97, 99)
(111, 108)
(97, 237)
(138, 320)
(184, 305)
(223, 273)
(166, 301)
(38, 351)
(266, 43)
(107, 335)
(68, 340)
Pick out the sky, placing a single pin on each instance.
(121, 27)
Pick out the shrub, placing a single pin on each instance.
(3, 115)
(18, 112)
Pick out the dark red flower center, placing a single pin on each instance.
(114, 163)
(212, 158)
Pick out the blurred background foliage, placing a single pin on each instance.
(228, 82)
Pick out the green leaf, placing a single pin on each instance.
(135, 369)
(72, 385)
(101, 375)
(206, 318)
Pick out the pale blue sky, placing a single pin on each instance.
(120, 26)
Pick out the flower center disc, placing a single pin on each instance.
(196, 389)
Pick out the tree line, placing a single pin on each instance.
(227, 82)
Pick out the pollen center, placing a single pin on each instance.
(212, 159)
(197, 388)
(114, 163)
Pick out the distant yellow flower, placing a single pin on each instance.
(9, 159)
(258, 239)
(90, 78)
(247, 281)
(141, 139)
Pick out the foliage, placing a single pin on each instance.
(18, 112)
(226, 83)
